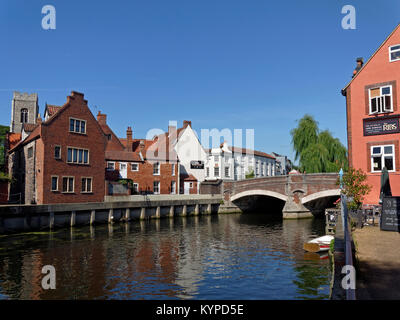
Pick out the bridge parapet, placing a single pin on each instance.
(294, 188)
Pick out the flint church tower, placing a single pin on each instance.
(24, 109)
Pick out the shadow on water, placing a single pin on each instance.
(253, 255)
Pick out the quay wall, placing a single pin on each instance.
(18, 218)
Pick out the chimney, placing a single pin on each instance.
(39, 120)
(101, 118)
(141, 145)
(129, 139)
(187, 123)
(360, 62)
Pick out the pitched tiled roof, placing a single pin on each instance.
(13, 139)
(29, 127)
(52, 109)
(188, 177)
(35, 134)
(249, 151)
(113, 144)
(123, 156)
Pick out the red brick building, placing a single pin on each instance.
(145, 162)
(61, 159)
(373, 116)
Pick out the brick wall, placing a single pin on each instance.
(57, 133)
(145, 178)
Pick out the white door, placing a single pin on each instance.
(187, 187)
(123, 172)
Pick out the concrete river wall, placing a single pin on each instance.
(18, 218)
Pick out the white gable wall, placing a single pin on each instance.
(188, 148)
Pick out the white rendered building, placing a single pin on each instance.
(232, 163)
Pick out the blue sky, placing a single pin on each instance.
(221, 64)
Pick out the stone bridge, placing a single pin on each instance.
(296, 195)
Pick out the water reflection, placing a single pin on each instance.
(252, 256)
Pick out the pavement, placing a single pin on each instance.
(378, 264)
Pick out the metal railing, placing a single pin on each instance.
(350, 293)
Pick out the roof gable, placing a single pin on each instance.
(394, 33)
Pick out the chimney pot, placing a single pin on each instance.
(101, 118)
(129, 139)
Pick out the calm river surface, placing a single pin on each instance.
(251, 256)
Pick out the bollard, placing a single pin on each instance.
(143, 213)
(51, 220)
(92, 217)
(127, 214)
(184, 210)
(110, 215)
(73, 216)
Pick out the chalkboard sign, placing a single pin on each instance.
(390, 216)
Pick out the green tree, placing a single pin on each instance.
(250, 174)
(355, 187)
(317, 151)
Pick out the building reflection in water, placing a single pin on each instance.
(208, 257)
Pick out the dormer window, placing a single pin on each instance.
(380, 100)
(394, 53)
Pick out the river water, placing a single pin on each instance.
(249, 256)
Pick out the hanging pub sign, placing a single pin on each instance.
(384, 125)
(196, 164)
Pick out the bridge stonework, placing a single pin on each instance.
(298, 191)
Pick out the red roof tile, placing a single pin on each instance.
(52, 109)
(13, 139)
(29, 127)
(186, 177)
(123, 156)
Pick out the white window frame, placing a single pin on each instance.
(86, 184)
(51, 184)
(390, 52)
(382, 156)
(77, 156)
(216, 175)
(137, 166)
(173, 187)
(158, 169)
(173, 169)
(225, 171)
(137, 187)
(80, 126)
(159, 187)
(383, 99)
(110, 162)
(73, 184)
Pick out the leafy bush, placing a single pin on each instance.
(355, 187)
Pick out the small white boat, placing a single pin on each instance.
(318, 244)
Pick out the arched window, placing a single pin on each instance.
(24, 115)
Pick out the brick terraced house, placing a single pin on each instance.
(152, 169)
(60, 159)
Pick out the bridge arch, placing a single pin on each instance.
(321, 194)
(259, 192)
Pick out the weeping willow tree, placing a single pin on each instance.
(317, 151)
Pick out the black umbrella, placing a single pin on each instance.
(385, 185)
